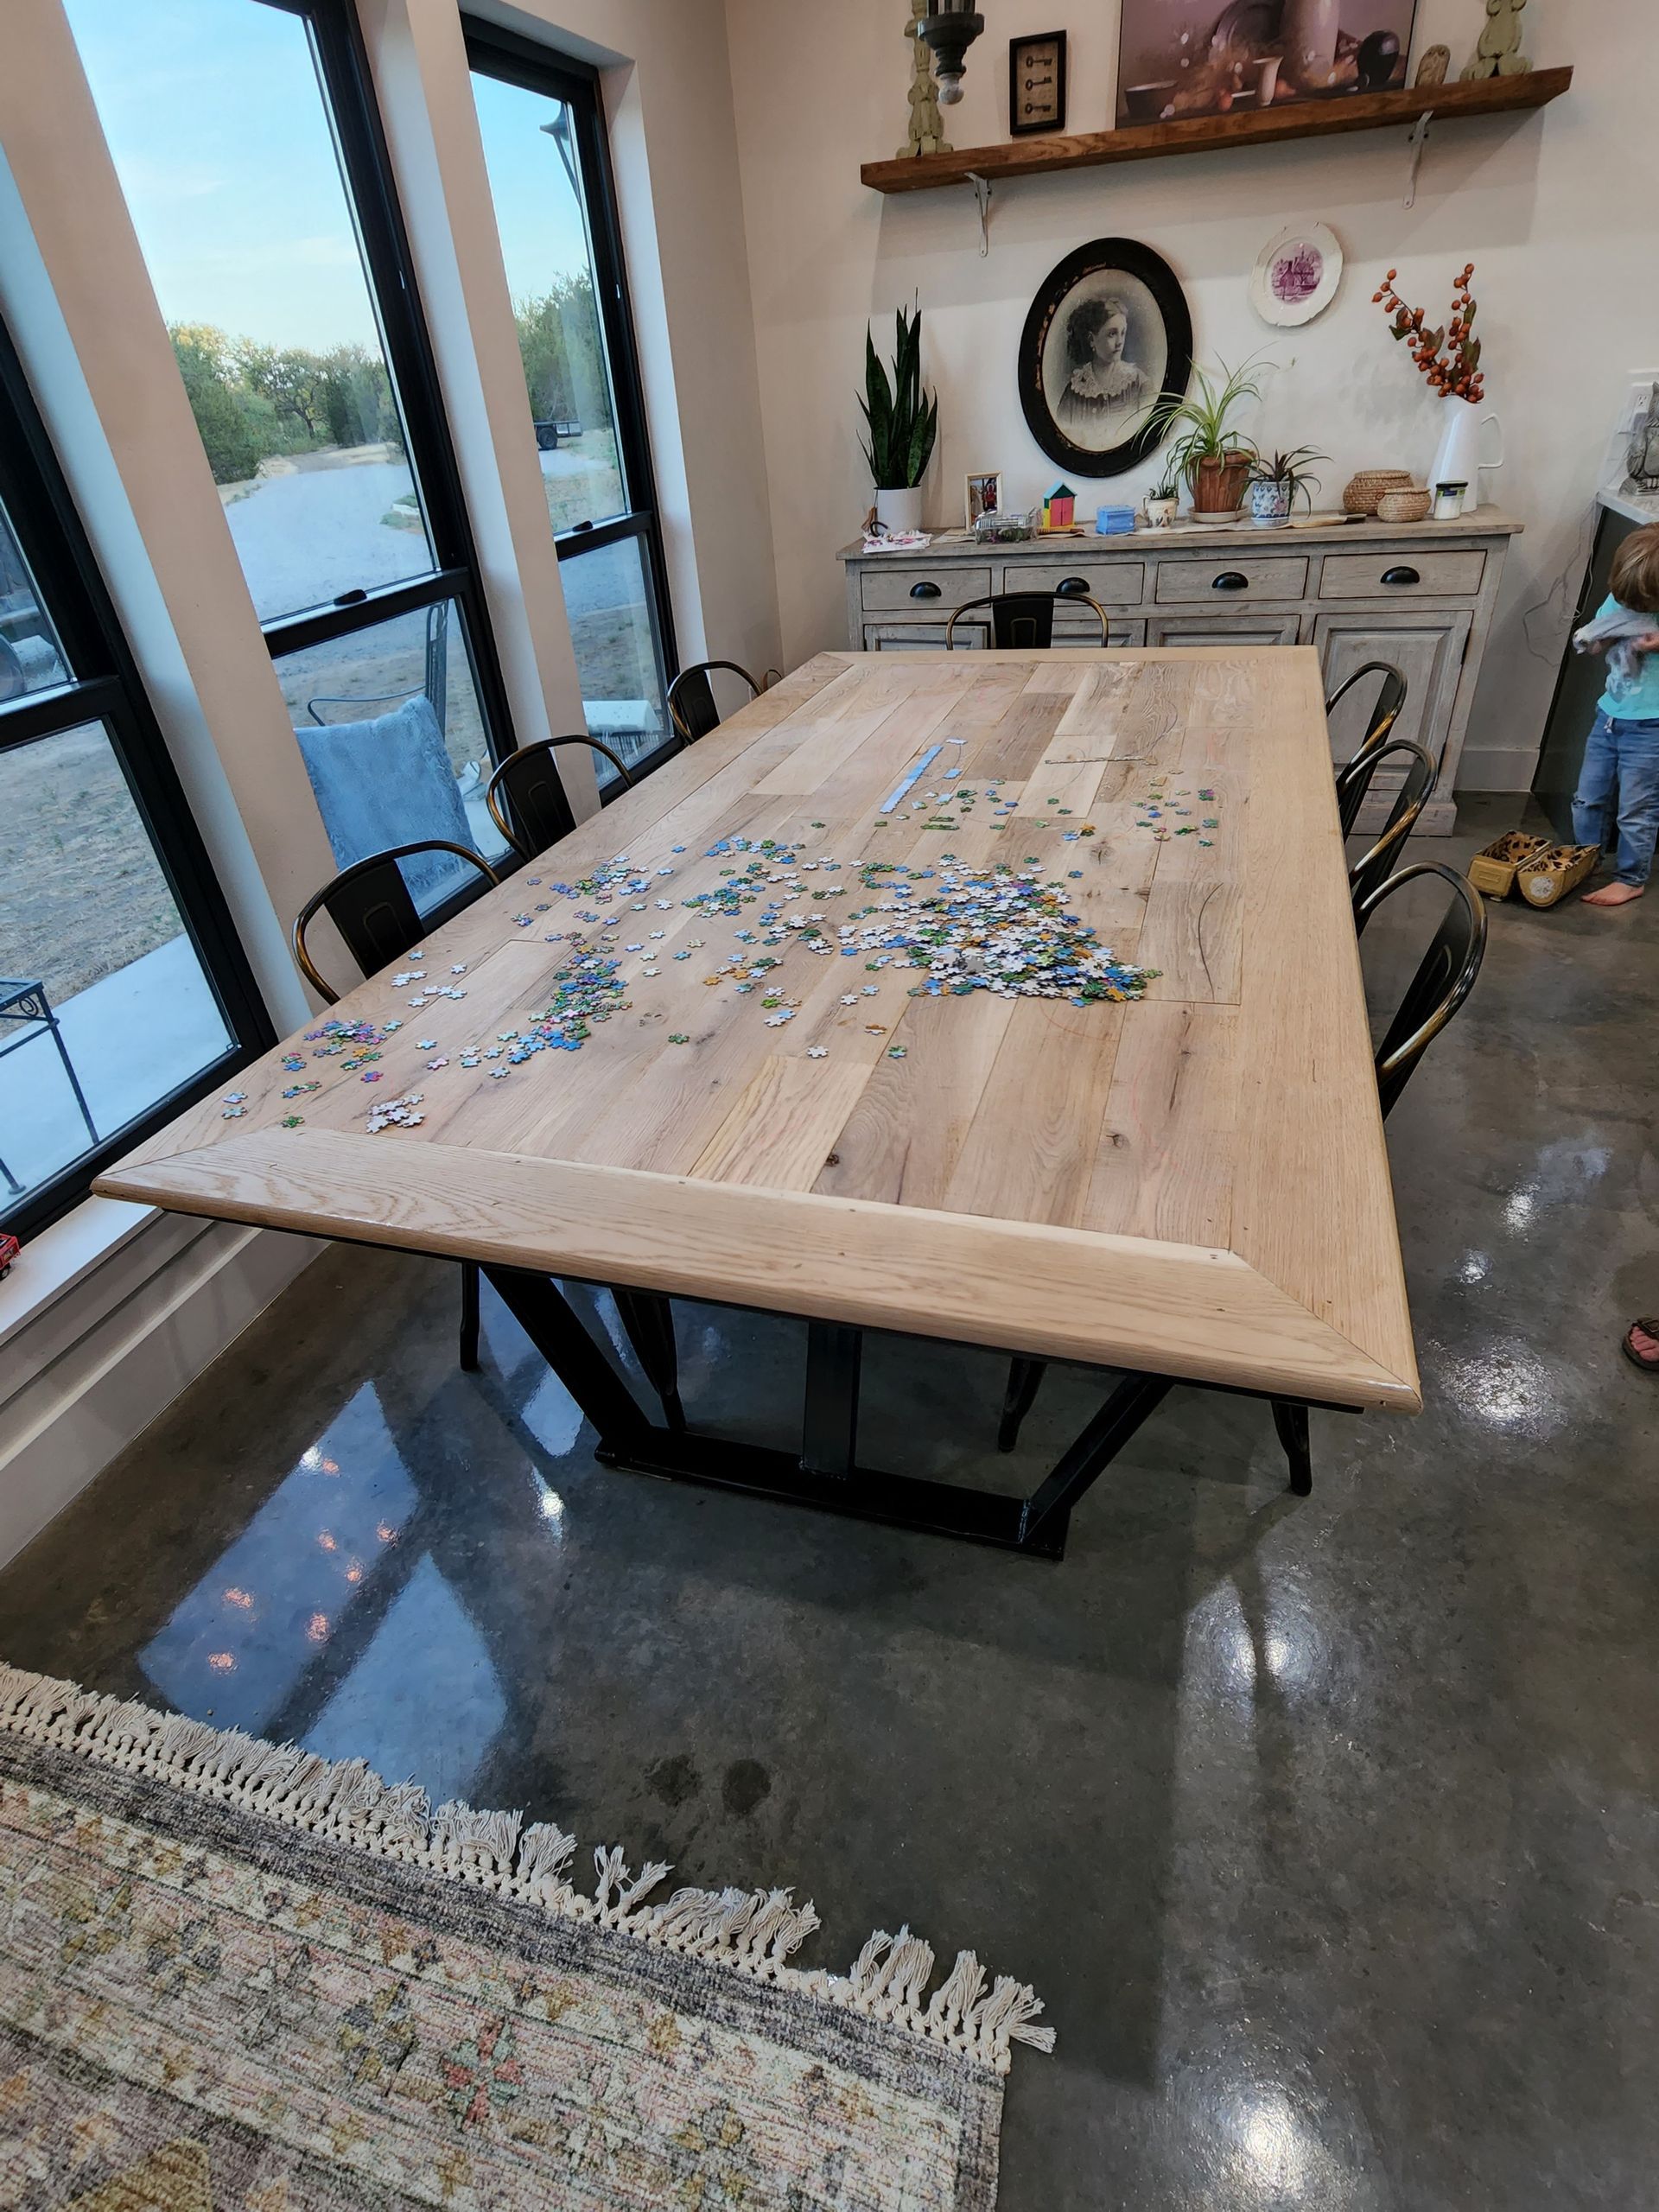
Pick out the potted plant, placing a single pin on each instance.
(1163, 501)
(1275, 480)
(903, 422)
(1213, 458)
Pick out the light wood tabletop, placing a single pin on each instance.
(1192, 1182)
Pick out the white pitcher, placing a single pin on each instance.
(1459, 461)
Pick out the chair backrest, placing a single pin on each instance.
(1443, 982)
(526, 799)
(692, 707)
(1023, 621)
(1391, 697)
(371, 906)
(1367, 872)
(1384, 720)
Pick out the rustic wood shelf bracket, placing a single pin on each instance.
(982, 192)
(1419, 139)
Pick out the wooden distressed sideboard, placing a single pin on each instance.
(1420, 595)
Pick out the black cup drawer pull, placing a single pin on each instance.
(924, 591)
(1073, 587)
(1230, 580)
(1400, 576)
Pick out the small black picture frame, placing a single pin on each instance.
(1054, 119)
(1109, 337)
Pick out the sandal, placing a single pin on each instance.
(1647, 1362)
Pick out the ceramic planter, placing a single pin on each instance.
(1270, 503)
(1161, 513)
(900, 510)
(1218, 484)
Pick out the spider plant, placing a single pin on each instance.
(1200, 417)
(1290, 469)
(903, 421)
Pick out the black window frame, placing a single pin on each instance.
(513, 59)
(106, 687)
(346, 87)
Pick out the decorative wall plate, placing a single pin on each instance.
(1296, 275)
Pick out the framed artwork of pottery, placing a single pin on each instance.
(1188, 57)
(1296, 275)
(1108, 336)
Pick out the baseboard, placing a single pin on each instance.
(91, 1370)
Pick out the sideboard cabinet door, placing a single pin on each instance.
(1426, 649)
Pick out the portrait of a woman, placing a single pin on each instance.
(1104, 388)
(1106, 338)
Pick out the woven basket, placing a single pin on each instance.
(1367, 489)
(1557, 870)
(1493, 870)
(1404, 506)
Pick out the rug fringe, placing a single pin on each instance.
(749, 1932)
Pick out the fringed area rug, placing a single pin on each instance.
(237, 1975)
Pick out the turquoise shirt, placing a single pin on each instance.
(1640, 704)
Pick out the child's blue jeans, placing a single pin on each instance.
(1621, 761)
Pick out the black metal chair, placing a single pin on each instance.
(435, 676)
(1023, 621)
(1379, 862)
(1386, 708)
(526, 800)
(375, 913)
(1444, 979)
(692, 707)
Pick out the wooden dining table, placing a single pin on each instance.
(1189, 1184)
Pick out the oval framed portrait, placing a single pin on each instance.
(1108, 335)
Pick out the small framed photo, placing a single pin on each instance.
(1037, 84)
(984, 494)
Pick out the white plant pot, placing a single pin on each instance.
(900, 510)
(1161, 513)
(1459, 461)
(1270, 504)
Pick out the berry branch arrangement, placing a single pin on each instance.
(1450, 358)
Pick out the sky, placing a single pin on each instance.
(221, 141)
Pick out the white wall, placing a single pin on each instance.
(1556, 211)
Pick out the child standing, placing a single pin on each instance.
(1621, 759)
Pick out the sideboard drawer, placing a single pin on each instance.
(1113, 583)
(1402, 575)
(922, 590)
(1232, 582)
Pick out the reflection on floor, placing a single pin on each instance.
(1325, 1827)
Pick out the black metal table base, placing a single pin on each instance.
(825, 1473)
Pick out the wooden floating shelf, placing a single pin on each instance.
(1139, 142)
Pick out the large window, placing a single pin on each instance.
(545, 146)
(249, 151)
(124, 995)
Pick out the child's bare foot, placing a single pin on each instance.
(1613, 894)
(1641, 1345)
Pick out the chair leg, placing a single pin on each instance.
(469, 1316)
(1291, 1421)
(1025, 1380)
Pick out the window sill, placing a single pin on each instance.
(63, 1256)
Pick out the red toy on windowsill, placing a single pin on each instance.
(10, 1248)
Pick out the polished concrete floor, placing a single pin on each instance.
(1326, 1827)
